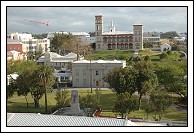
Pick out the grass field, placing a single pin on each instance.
(106, 103)
(111, 54)
(126, 54)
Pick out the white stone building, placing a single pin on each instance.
(90, 73)
(63, 76)
(19, 36)
(29, 44)
(57, 61)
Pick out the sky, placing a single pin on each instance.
(69, 19)
(82, 19)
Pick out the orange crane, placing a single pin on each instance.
(45, 23)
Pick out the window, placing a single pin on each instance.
(97, 72)
(62, 79)
(84, 81)
(77, 80)
(84, 72)
(77, 72)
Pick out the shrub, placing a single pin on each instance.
(146, 58)
(169, 52)
(163, 55)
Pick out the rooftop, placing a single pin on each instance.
(117, 33)
(100, 61)
(30, 119)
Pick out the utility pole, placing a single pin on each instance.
(90, 75)
(90, 58)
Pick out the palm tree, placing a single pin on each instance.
(47, 79)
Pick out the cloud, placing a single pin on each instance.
(82, 18)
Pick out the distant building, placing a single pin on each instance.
(16, 45)
(90, 73)
(117, 40)
(24, 42)
(63, 76)
(57, 61)
(19, 36)
(152, 37)
(15, 55)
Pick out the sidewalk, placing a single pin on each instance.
(179, 108)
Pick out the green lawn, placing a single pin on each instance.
(146, 52)
(106, 103)
(111, 54)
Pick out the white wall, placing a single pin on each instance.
(88, 75)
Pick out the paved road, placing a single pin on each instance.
(179, 108)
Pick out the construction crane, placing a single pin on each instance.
(33, 21)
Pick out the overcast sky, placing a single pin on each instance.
(81, 19)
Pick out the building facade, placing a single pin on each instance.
(63, 76)
(16, 45)
(57, 61)
(118, 40)
(90, 73)
(15, 55)
(24, 42)
(152, 37)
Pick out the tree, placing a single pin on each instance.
(130, 61)
(122, 80)
(160, 100)
(13, 66)
(22, 84)
(124, 105)
(23, 87)
(62, 98)
(171, 76)
(11, 88)
(57, 42)
(65, 43)
(39, 36)
(146, 79)
(92, 34)
(169, 35)
(146, 58)
(90, 100)
(97, 95)
(147, 45)
(46, 77)
(163, 55)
